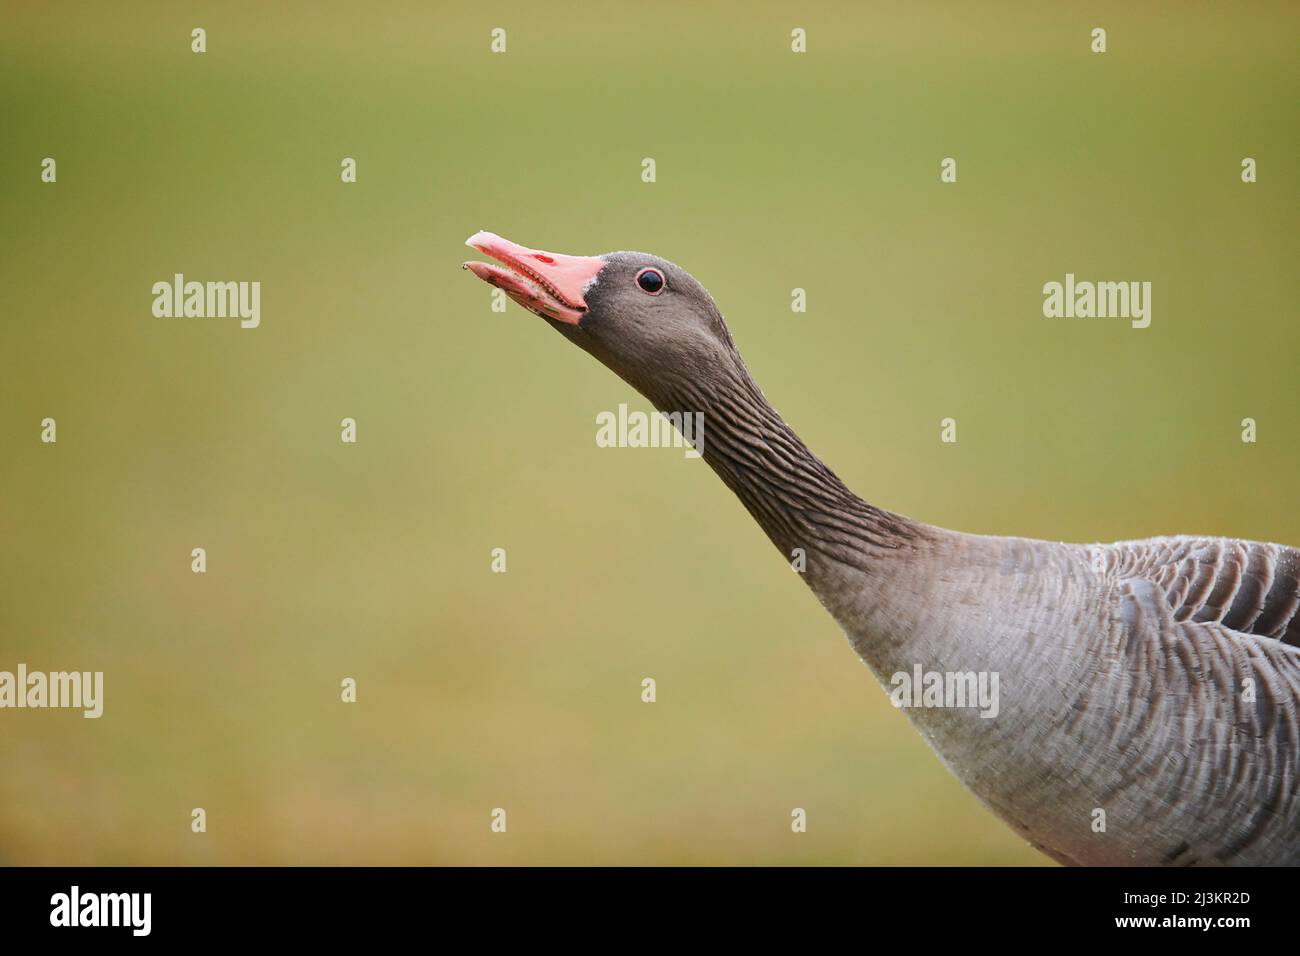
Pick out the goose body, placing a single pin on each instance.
(1149, 690)
(1124, 671)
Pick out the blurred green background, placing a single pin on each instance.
(476, 429)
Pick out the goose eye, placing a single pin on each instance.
(650, 280)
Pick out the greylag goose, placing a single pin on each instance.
(1149, 690)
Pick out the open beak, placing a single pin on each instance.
(547, 283)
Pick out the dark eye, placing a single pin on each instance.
(650, 280)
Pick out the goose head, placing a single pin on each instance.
(644, 317)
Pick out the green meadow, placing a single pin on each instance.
(476, 429)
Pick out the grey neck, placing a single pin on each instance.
(798, 501)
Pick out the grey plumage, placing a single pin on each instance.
(1124, 688)
(1154, 684)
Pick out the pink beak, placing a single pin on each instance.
(550, 284)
